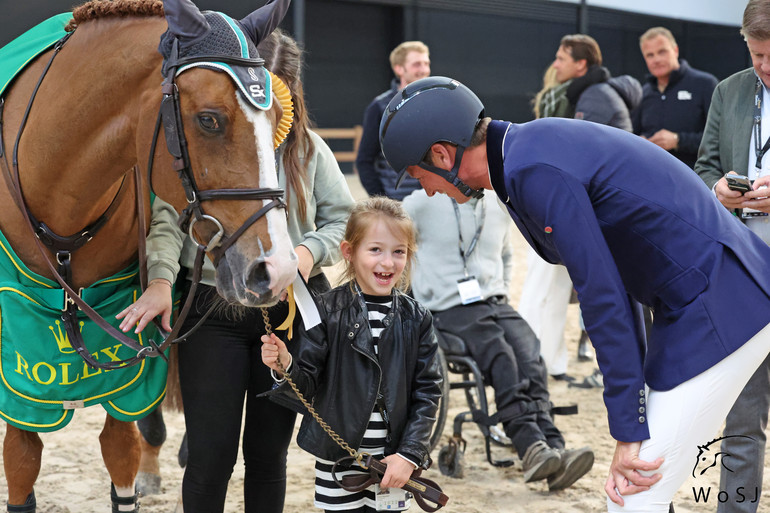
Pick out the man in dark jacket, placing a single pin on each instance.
(596, 95)
(676, 98)
(410, 61)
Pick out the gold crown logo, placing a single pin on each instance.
(62, 339)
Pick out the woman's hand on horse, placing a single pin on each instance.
(273, 348)
(156, 300)
(398, 473)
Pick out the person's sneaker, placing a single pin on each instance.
(540, 461)
(574, 464)
(563, 377)
(584, 348)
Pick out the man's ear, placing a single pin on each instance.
(442, 157)
(398, 70)
(582, 65)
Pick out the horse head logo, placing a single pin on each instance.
(709, 457)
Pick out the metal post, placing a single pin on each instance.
(583, 17)
(410, 21)
(299, 20)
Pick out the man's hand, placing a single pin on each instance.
(624, 478)
(398, 473)
(665, 139)
(759, 198)
(728, 197)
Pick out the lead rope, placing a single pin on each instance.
(358, 456)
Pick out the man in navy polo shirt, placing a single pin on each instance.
(676, 98)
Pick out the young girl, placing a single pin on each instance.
(370, 368)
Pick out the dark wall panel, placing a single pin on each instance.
(502, 59)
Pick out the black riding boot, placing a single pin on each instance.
(123, 501)
(29, 506)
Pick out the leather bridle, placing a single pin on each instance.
(169, 115)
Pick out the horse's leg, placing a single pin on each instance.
(22, 452)
(121, 454)
(153, 431)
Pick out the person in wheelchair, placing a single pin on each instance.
(462, 275)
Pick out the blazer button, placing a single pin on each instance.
(386, 321)
(641, 420)
(641, 393)
(356, 325)
(641, 400)
(351, 335)
(641, 409)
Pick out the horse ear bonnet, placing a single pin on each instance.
(226, 37)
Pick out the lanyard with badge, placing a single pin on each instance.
(759, 150)
(468, 286)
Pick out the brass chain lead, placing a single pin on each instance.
(358, 456)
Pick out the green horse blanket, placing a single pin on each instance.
(42, 379)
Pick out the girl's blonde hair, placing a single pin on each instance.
(363, 216)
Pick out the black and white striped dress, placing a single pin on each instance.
(329, 496)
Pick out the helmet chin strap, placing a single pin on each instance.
(453, 178)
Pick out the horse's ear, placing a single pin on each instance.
(259, 24)
(185, 20)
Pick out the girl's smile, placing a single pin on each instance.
(379, 259)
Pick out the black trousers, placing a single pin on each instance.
(219, 365)
(508, 355)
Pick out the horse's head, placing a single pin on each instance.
(220, 116)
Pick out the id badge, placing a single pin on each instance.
(392, 499)
(750, 213)
(470, 290)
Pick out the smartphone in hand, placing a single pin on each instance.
(740, 183)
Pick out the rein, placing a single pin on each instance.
(169, 115)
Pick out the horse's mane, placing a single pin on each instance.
(95, 9)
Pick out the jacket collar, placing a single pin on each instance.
(594, 75)
(675, 76)
(496, 133)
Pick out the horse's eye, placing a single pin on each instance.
(209, 122)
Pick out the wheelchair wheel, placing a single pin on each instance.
(443, 404)
(451, 459)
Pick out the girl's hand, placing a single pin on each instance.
(273, 348)
(156, 300)
(624, 478)
(398, 473)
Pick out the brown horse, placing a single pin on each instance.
(92, 119)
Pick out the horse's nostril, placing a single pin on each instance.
(258, 278)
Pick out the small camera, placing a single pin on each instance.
(740, 183)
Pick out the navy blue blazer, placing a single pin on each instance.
(632, 223)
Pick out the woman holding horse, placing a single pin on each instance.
(220, 362)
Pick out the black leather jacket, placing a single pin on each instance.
(335, 367)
